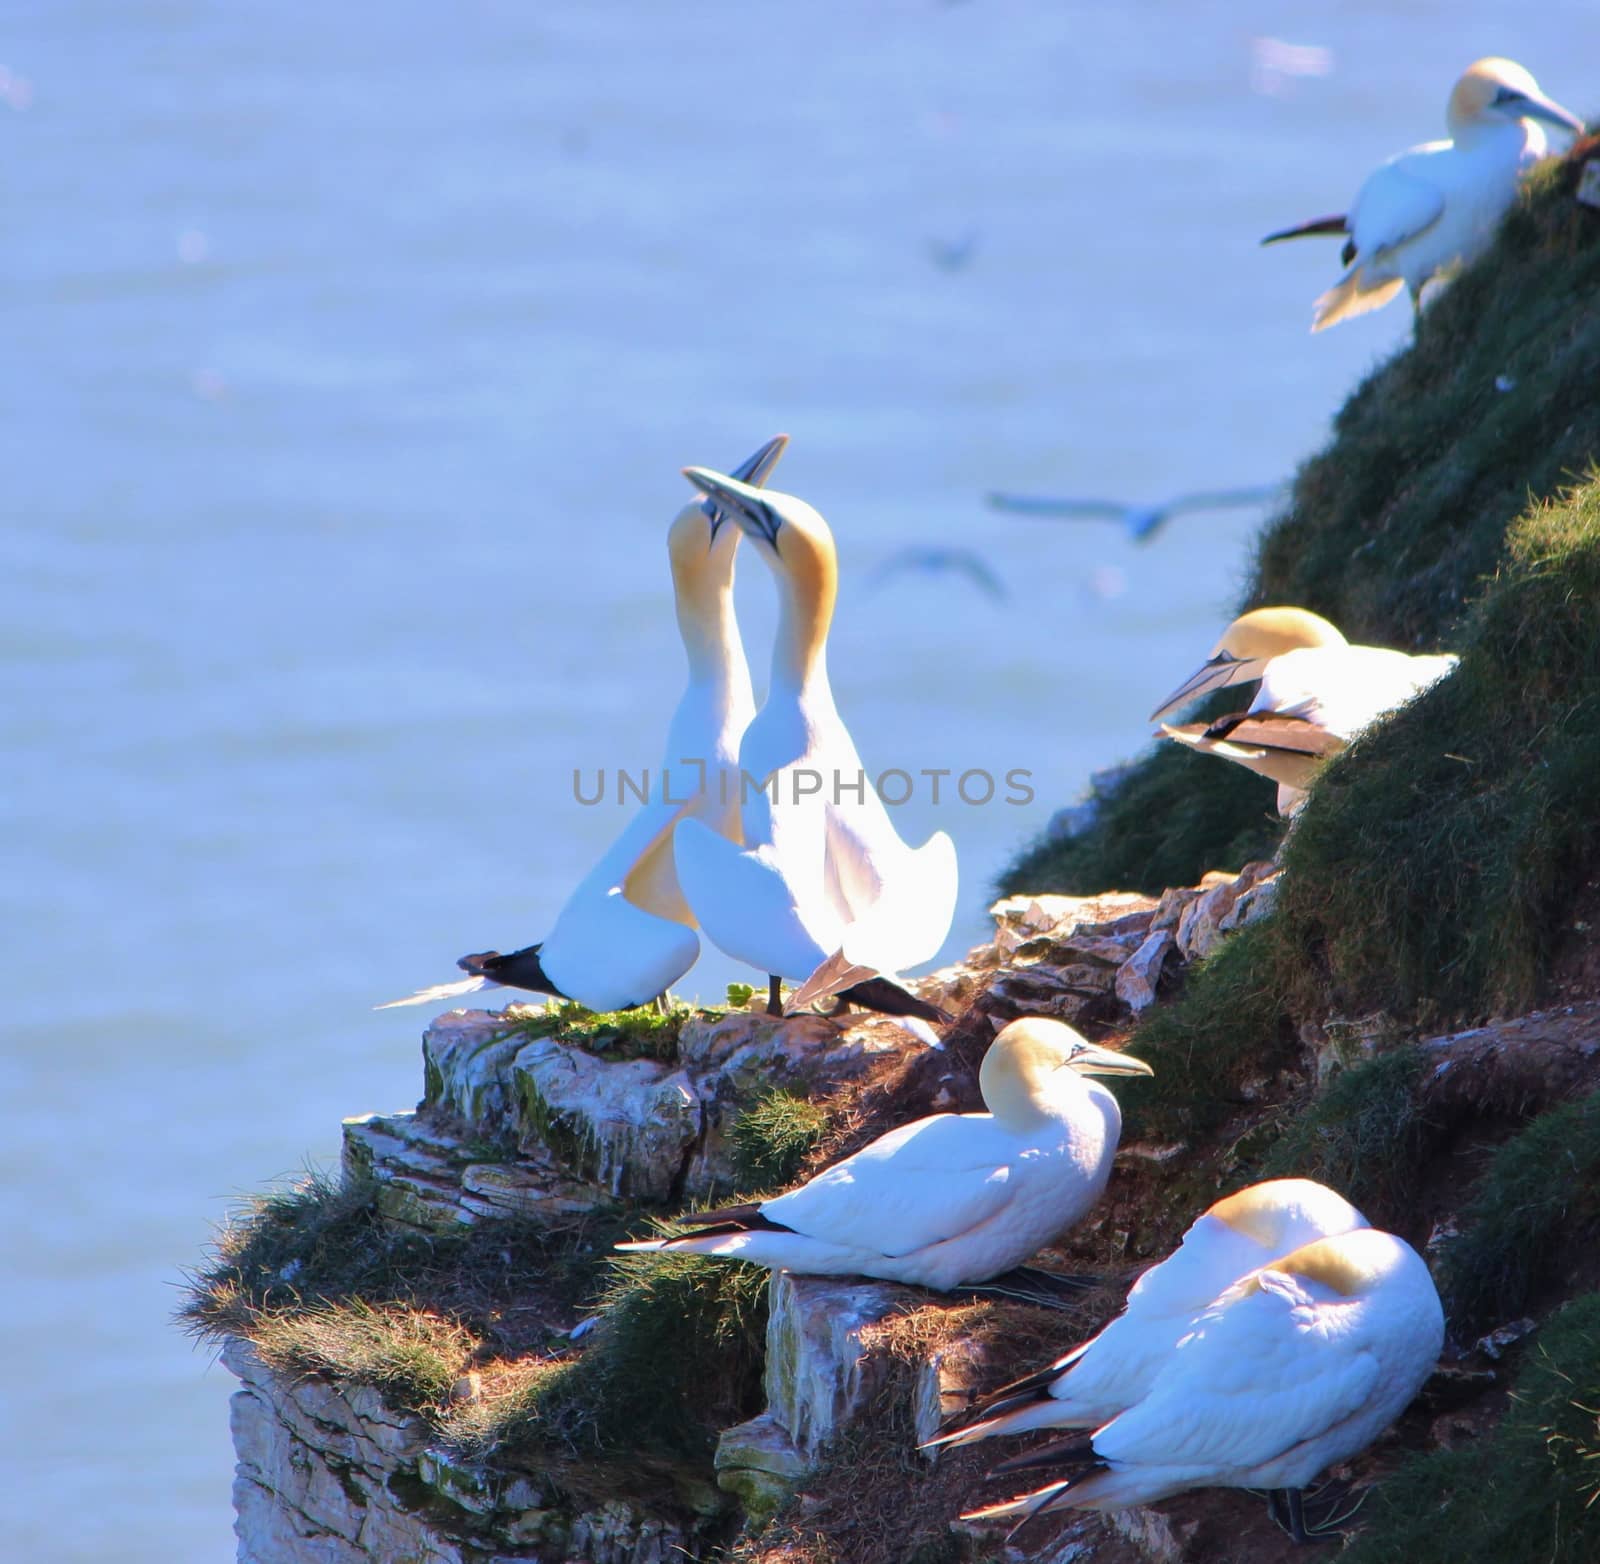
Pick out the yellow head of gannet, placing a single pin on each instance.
(955, 1198)
(1301, 1364)
(1245, 649)
(1431, 210)
(1096, 1380)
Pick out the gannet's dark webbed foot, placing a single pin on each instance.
(1287, 1508)
(663, 1003)
(839, 1007)
(774, 995)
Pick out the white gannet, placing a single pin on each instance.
(955, 1198)
(1433, 209)
(1299, 1365)
(1105, 1375)
(823, 879)
(941, 561)
(625, 933)
(1140, 522)
(1317, 693)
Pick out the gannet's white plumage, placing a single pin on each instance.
(1317, 692)
(1298, 1365)
(1105, 1375)
(1435, 208)
(626, 933)
(822, 876)
(957, 1197)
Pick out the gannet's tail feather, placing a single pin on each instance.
(440, 991)
(1352, 295)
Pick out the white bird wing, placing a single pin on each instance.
(910, 1189)
(761, 905)
(1344, 688)
(1393, 206)
(908, 921)
(1264, 1371)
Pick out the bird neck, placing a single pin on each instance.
(710, 631)
(800, 648)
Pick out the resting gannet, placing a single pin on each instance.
(1300, 1364)
(823, 879)
(626, 934)
(1317, 693)
(955, 1198)
(1434, 209)
(1110, 1372)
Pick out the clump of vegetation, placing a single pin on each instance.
(1526, 1215)
(1365, 1135)
(773, 1137)
(1527, 1493)
(1388, 533)
(1225, 1027)
(645, 1033)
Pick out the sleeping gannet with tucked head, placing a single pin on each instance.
(954, 1198)
(1435, 208)
(626, 934)
(1300, 1364)
(823, 879)
(1317, 693)
(1110, 1372)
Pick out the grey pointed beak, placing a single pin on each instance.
(1532, 105)
(753, 470)
(1091, 1059)
(1223, 669)
(737, 500)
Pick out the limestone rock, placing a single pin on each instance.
(760, 1465)
(819, 1373)
(1139, 976)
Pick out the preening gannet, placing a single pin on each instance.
(1107, 1374)
(626, 934)
(1300, 1364)
(1435, 208)
(1317, 693)
(823, 879)
(1140, 522)
(955, 1198)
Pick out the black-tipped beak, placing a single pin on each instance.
(753, 470)
(737, 500)
(1223, 669)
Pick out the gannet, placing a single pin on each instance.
(625, 933)
(1105, 1375)
(822, 878)
(1298, 1365)
(1317, 693)
(935, 561)
(1140, 522)
(1434, 209)
(955, 1198)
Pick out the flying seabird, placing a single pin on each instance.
(822, 876)
(1140, 522)
(936, 561)
(1299, 1365)
(1317, 693)
(1434, 209)
(951, 1199)
(626, 934)
(1107, 1374)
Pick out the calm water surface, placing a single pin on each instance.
(350, 354)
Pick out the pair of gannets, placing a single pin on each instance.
(1435, 208)
(1235, 1363)
(1317, 693)
(955, 1198)
(749, 840)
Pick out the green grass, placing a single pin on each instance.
(1532, 1211)
(1226, 1026)
(1389, 532)
(1364, 1135)
(1527, 1494)
(632, 1034)
(773, 1137)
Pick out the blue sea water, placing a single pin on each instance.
(349, 357)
